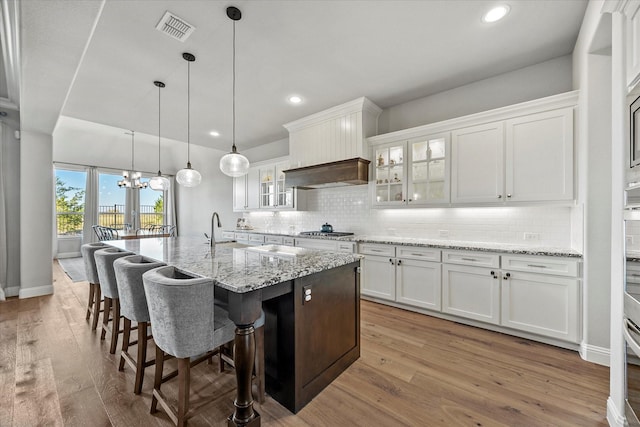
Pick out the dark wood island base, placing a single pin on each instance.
(312, 334)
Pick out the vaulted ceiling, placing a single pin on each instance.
(97, 61)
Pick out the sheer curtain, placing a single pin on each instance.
(4, 249)
(90, 206)
(170, 201)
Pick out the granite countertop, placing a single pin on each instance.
(471, 246)
(233, 266)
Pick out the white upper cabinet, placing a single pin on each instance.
(539, 157)
(245, 191)
(632, 13)
(477, 169)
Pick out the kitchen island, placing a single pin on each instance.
(311, 304)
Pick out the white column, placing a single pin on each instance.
(36, 212)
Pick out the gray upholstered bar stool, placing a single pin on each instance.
(104, 262)
(93, 307)
(133, 307)
(186, 324)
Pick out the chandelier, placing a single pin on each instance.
(131, 179)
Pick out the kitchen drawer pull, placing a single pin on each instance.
(376, 250)
(536, 265)
(468, 259)
(635, 275)
(415, 254)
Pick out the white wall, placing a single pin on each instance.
(533, 82)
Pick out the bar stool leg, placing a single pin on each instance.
(92, 288)
(157, 379)
(105, 317)
(184, 376)
(125, 342)
(141, 361)
(96, 307)
(115, 326)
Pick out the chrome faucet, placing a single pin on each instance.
(213, 217)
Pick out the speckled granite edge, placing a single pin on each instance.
(470, 246)
(295, 235)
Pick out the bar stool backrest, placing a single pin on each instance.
(106, 274)
(129, 271)
(185, 320)
(88, 250)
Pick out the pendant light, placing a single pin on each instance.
(159, 182)
(234, 164)
(188, 176)
(131, 179)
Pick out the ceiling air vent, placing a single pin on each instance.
(175, 27)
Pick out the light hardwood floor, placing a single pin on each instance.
(415, 370)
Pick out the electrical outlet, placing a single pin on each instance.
(629, 240)
(443, 233)
(531, 236)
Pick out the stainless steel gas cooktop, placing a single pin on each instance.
(325, 233)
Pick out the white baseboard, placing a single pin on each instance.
(69, 255)
(614, 417)
(595, 354)
(35, 291)
(11, 291)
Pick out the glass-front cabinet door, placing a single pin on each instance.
(428, 176)
(284, 196)
(390, 186)
(267, 187)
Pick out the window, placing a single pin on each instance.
(111, 202)
(70, 191)
(151, 210)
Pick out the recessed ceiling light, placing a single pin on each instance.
(295, 99)
(496, 14)
(214, 133)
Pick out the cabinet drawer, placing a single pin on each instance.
(228, 235)
(327, 245)
(256, 238)
(349, 247)
(242, 237)
(288, 241)
(484, 259)
(412, 252)
(373, 249)
(536, 264)
(278, 240)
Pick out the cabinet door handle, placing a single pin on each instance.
(410, 200)
(499, 196)
(509, 195)
(399, 262)
(536, 265)
(506, 276)
(493, 273)
(635, 275)
(468, 259)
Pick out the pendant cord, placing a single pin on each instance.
(233, 132)
(188, 111)
(159, 168)
(132, 153)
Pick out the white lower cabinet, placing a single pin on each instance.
(418, 283)
(378, 277)
(471, 292)
(541, 304)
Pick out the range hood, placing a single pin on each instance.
(333, 174)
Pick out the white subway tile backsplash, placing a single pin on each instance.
(348, 209)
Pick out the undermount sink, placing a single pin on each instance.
(277, 250)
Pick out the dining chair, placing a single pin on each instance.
(104, 263)
(93, 307)
(133, 307)
(187, 325)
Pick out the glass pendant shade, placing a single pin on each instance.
(234, 164)
(188, 176)
(159, 183)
